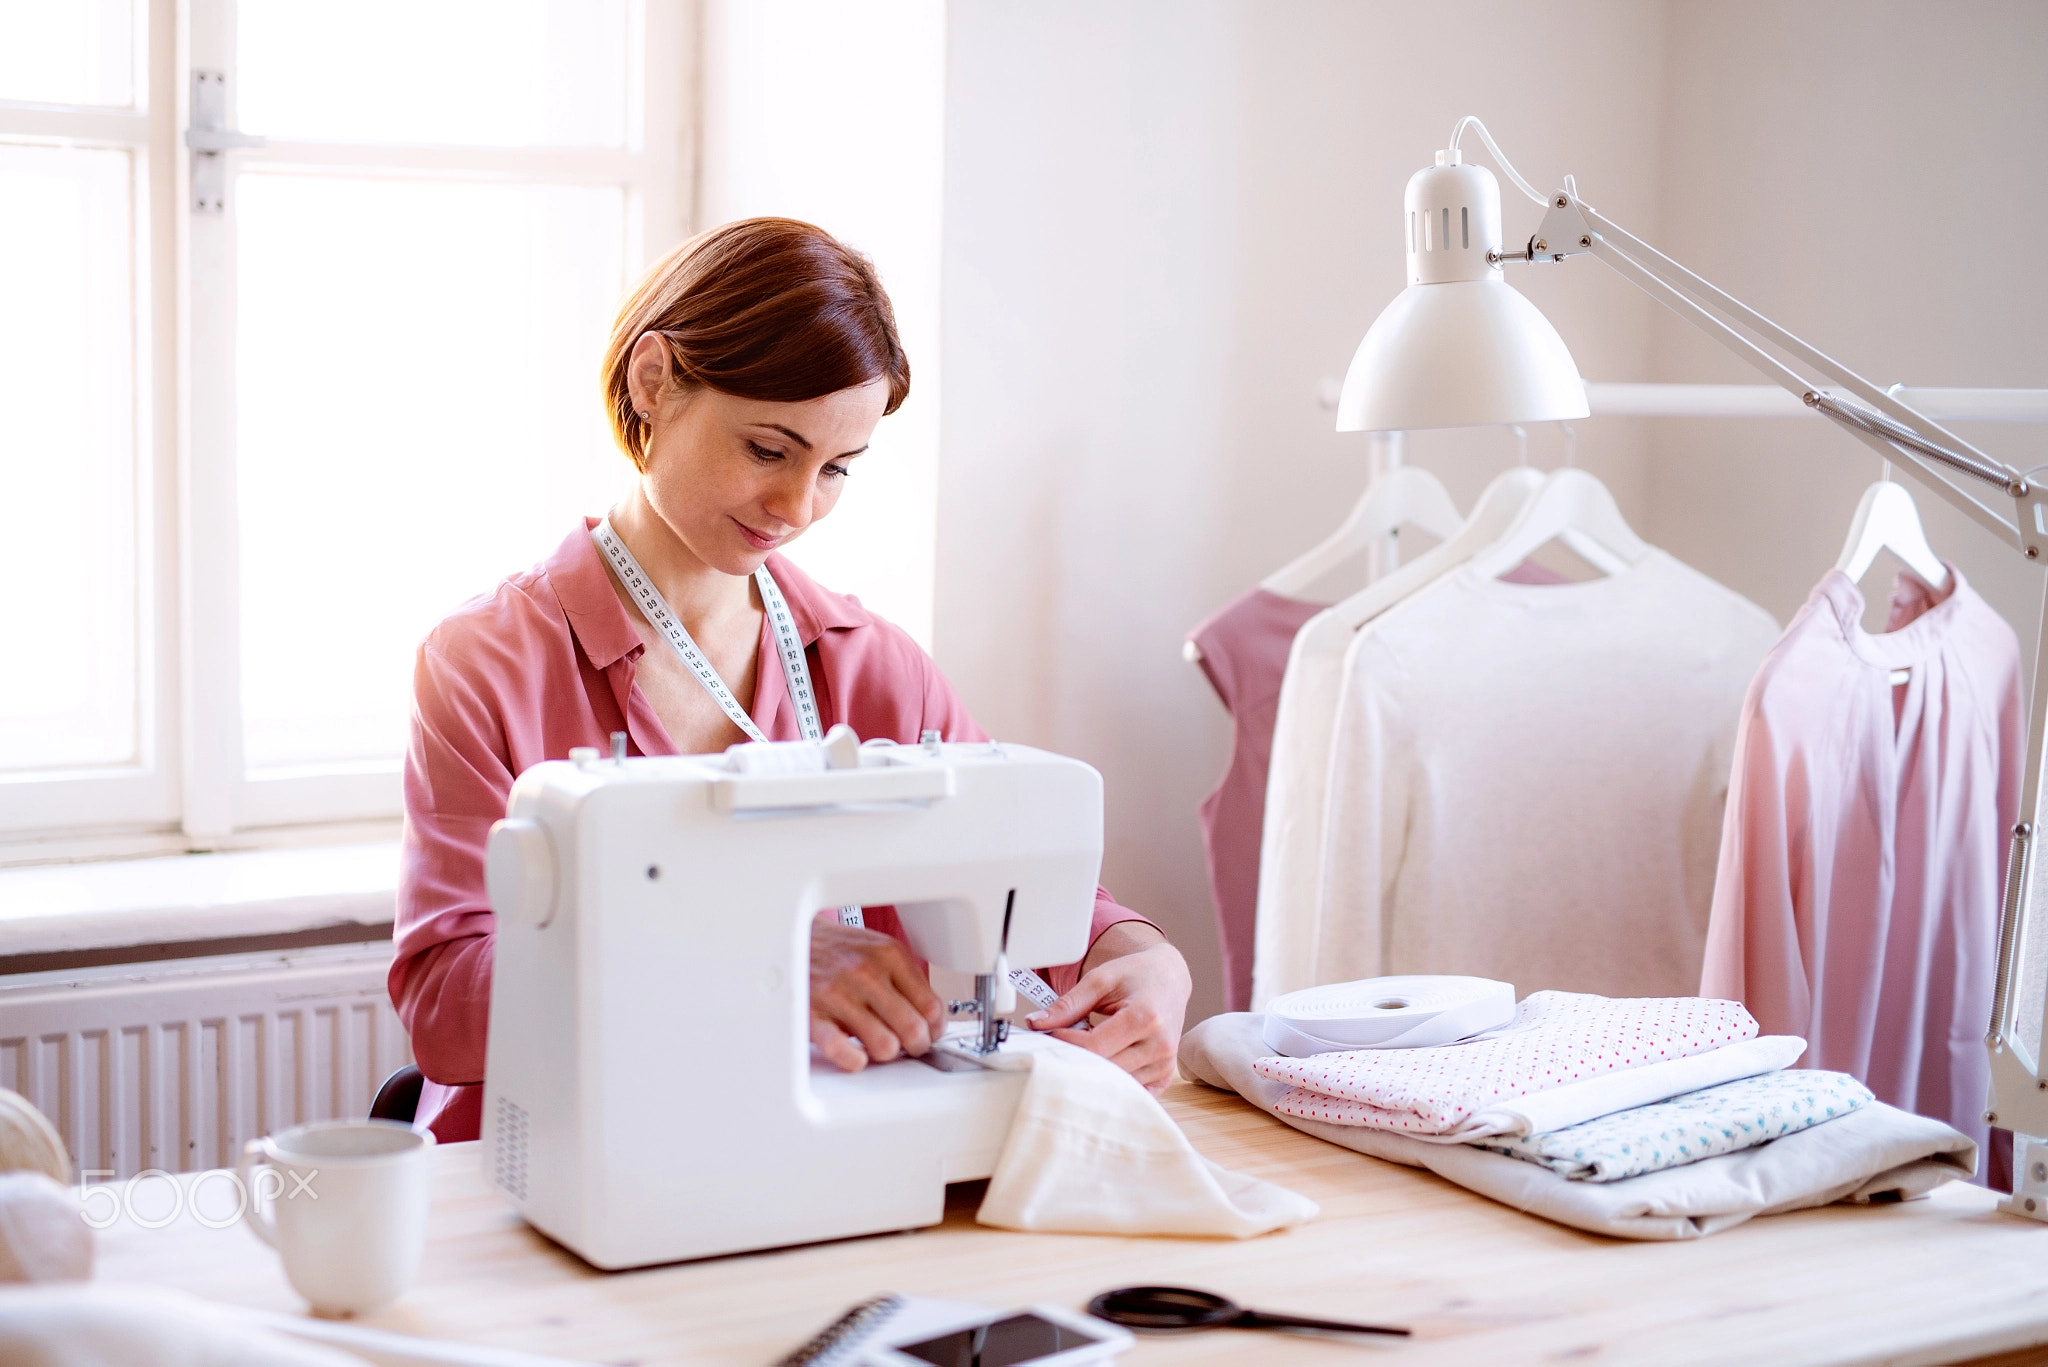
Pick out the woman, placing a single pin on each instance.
(744, 377)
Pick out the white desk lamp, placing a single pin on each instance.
(1459, 348)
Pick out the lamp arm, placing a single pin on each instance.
(1894, 429)
(1861, 425)
(1798, 348)
(1879, 426)
(2019, 1091)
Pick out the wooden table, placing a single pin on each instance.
(1938, 1280)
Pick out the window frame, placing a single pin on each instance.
(189, 788)
(141, 793)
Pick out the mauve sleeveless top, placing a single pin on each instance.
(1244, 652)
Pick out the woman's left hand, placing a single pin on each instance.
(1139, 986)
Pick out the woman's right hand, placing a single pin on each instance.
(870, 1002)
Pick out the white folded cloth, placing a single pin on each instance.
(131, 1326)
(1875, 1154)
(43, 1233)
(1575, 1103)
(1557, 1039)
(1092, 1152)
(1667, 1134)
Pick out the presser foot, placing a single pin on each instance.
(991, 1004)
(950, 1059)
(978, 1039)
(959, 1050)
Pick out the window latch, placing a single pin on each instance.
(210, 139)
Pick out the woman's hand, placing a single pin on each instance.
(1139, 983)
(870, 1001)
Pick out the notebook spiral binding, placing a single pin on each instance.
(843, 1335)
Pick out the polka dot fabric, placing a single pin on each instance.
(1556, 1038)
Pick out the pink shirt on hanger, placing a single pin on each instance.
(1864, 844)
(1244, 654)
(546, 663)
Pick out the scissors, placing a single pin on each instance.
(1180, 1307)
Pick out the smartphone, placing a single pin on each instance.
(1037, 1336)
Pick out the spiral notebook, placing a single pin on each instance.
(891, 1318)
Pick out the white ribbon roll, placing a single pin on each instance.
(1410, 1012)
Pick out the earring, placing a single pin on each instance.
(643, 417)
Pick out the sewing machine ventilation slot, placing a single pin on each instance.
(508, 1161)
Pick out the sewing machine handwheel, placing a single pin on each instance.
(519, 872)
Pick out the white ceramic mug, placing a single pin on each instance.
(344, 1202)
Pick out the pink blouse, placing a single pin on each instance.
(546, 663)
(1863, 849)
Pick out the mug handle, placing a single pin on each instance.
(257, 1219)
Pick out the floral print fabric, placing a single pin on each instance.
(1714, 1120)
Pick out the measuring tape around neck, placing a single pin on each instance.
(795, 672)
(788, 646)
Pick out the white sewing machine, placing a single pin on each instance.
(651, 1091)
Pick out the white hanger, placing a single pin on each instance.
(1888, 519)
(1492, 515)
(1575, 508)
(1331, 631)
(1405, 496)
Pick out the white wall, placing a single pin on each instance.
(1164, 223)
(1870, 174)
(833, 113)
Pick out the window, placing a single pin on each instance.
(250, 453)
(79, 486)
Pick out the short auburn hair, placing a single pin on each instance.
(761, 308)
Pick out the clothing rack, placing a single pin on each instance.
(1628, 400)
(1608, 399)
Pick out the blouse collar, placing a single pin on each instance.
(605, 632)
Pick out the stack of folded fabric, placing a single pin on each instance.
(1566, 1059)
(1646, 1117)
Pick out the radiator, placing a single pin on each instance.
(175, 1065)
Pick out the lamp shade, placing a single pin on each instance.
(1458, 347)
(1459, 353)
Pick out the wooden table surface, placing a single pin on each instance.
(1938, 1280)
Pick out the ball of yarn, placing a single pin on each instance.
(29, 1142)
(43, 1233)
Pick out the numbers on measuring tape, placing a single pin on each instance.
(1033, 987)
(789, 647)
